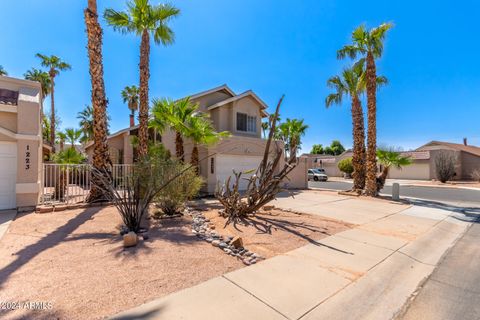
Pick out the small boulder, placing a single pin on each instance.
(130, 239)
(215, 243)
(236, 242)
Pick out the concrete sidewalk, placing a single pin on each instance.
(368, 272)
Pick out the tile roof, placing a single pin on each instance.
(456, 146)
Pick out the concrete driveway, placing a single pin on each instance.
(367, 272)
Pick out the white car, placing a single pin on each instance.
(317, 174)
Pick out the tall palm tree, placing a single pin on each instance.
(200, 130)
(291, 131)
(369, 44)
(389, 158)
(3, 72)
(40, 76)
(55, 65)
(101, 157)
(174, 114)
(73, 136)
(131, 96)
(144, 19)
(352, 83)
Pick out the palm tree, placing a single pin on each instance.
(55, 65)
(174, 114)
(351, 83)
(369, 44)
(387, 159)
(131, 96)
(101, 158)
(40, 76)
(72, 136)
(291, 131)
(86, 122)
(200, 130)
(144, 19)
(61, 138)
(3, 72)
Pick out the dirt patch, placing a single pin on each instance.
(75, 261)
(274, 232)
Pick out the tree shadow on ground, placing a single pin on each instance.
(49, 241)
(465, 214)
(264, 224)
(152, 313)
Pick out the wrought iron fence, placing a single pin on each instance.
(71, 183)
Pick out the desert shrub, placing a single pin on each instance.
(146, 180)
(476, 175)
(172, 198)
(346, 166)
(445, 166)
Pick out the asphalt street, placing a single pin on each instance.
(453, 289)
(443, 194)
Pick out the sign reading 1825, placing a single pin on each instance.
(27, 158)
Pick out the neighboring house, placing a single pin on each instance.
(20, 143)
(423, 166)
(327, 162)
(240, 114)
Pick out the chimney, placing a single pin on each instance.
(465, 142)
(132, 120)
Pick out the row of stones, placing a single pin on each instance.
(233, 246)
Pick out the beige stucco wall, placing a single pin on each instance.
(470, 163)
(23, 125)
(297, 178)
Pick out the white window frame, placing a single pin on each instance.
(251, 123)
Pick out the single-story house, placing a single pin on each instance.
(467, 159)
(20, 143)
(240, 114)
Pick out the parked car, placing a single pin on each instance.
(317, 174)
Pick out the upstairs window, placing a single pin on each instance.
(246, 123)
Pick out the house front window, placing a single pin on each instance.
(246, 123)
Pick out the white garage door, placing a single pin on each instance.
(8, 174)
(226, 163)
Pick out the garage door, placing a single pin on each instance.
(226, 163)
(8, 174)
(415, 171)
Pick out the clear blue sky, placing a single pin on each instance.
(273, 47)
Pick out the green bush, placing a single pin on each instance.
(346, 166)
(173, 197)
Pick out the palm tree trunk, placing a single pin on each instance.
(371, 185)
(358, 159)
(99, 102)
(194, 160)
(52, 112)
(144, 77)
(179, 153)
(382, 178)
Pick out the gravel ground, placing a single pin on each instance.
(274, 232)
(72, 264)
(75, 261)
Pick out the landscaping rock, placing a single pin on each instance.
(236, 242)
(215, 243)
(268, 208)
(130, 239)
(246, 262)
(145, 236)
(209, 240)
(223, 245)
(227, 251)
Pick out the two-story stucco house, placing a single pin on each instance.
(240, 114)
(20, 143)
